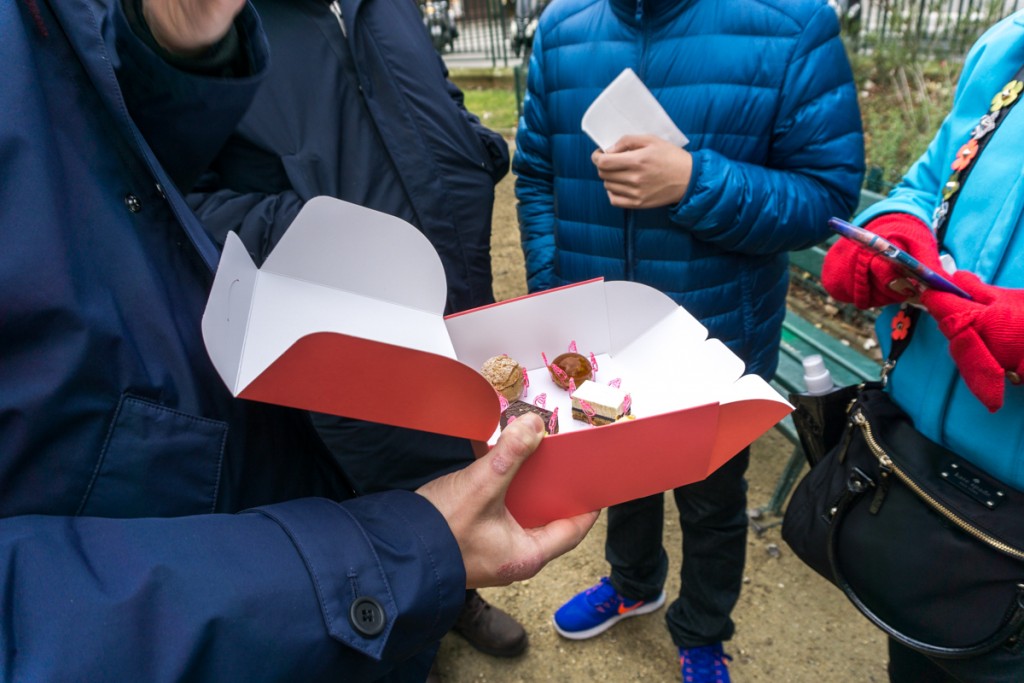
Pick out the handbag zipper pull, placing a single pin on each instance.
(880, 491)
(884, 469)
(844, 445)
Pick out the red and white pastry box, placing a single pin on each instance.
(345, 317)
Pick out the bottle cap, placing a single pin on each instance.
(817, 378)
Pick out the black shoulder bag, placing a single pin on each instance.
(926, 545)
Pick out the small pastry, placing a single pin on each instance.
(599, 404)
(505, 375)
(572, 366)
(519, 408)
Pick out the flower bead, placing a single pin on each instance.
(901, 325)
(939, 215)
(984, 127)
(1007, 96)
(965, 155)
(951, 187)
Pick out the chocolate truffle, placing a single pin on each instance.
(575, 366)
(518, 408)
(505, 375)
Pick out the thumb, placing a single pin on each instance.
(626, 143)
(981, 372)
(517, 441)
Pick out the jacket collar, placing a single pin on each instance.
(633, 12)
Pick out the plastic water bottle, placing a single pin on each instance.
(817, 378)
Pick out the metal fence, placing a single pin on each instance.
(935, 27)
(483, 33)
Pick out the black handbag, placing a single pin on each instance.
(925, 545)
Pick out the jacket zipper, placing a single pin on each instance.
(336, 10)
(630, 215)
(888, 466)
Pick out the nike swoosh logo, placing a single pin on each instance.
(626, 610)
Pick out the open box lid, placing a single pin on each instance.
(345, 317)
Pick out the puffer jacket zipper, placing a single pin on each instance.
(629, 214)
(336, 11)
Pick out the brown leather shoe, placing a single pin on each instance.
(490, 630)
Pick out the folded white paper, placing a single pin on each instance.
(627, 107)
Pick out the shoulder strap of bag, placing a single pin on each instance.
(962, 165)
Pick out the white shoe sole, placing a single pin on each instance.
(645, 608)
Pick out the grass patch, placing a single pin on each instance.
(902, 105)
(496, 107)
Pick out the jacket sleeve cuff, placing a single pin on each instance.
(393, 549)
(895, 204)
(696, 192)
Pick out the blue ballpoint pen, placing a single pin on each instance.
(890, 251)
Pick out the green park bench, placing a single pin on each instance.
(802, 338)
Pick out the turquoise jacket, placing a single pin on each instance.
(985, 235)
(764, 92)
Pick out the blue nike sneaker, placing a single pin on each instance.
(597, 609)
(705, 664)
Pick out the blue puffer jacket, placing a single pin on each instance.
(764, 91)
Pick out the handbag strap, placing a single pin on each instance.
(856, 486)
(969, 152)
(906, 320)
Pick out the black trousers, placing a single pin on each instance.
(377, 457)
(713, 515)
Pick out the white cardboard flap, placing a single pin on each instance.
(344, 233)
(226, 318)
(319, 279)
(524, 327)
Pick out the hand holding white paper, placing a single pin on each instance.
(627, 107)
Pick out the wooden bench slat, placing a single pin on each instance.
(846, 364)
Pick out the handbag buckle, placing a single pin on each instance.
(887, 367)
(859, 481)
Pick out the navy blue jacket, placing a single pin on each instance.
(764, 92)
(359, 107)
(124, 462)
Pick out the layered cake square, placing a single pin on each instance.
(599, 404)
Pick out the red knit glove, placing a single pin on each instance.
(986, 335)
(858, 275)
